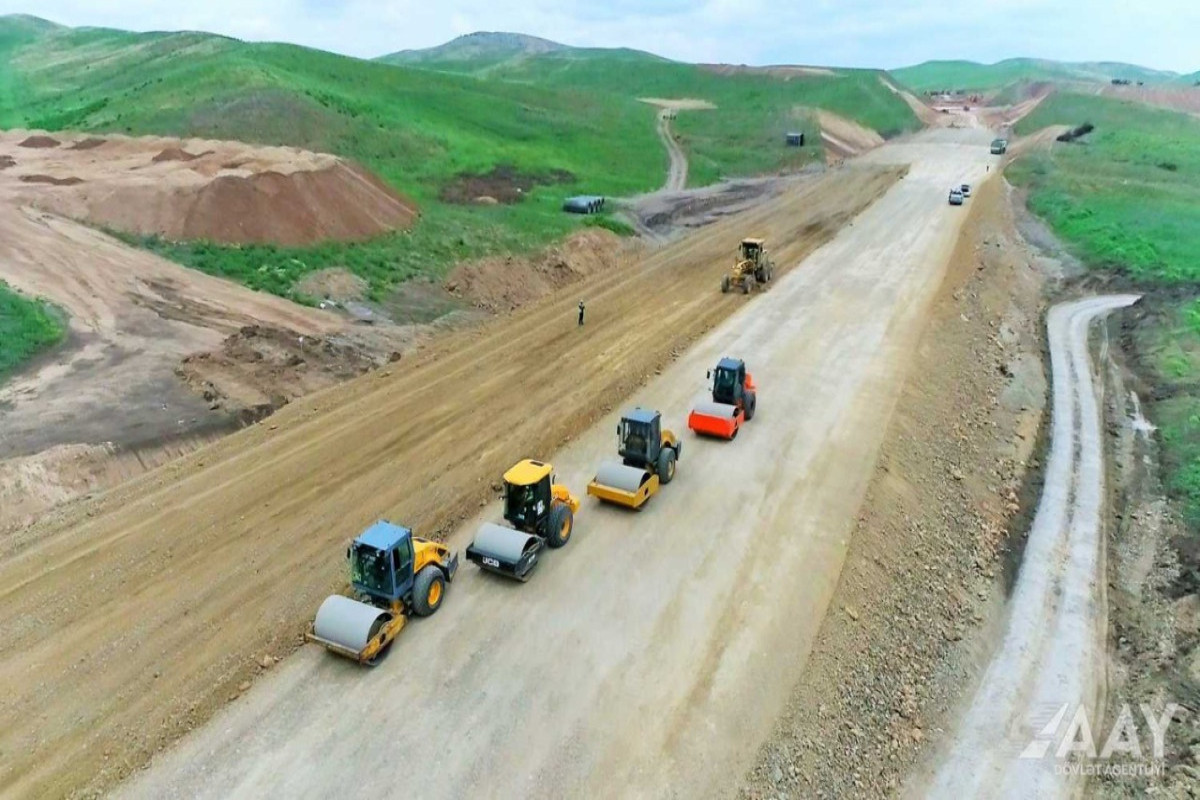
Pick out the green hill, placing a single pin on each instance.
(976, 77)
(573, 114)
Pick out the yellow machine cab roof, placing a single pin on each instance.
(753, 241)
(527, 472)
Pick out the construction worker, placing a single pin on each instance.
(581, 312)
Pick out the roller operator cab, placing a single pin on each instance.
(394, 575)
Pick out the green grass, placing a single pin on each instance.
(27, 327)
(419, 127)
(975, 77)
(1126, 200)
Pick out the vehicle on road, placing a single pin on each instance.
(999, 147)
(649, 454)
(734, 400)
(965, 189)
(956, 197)
(394, 575)
(751, 267)
(541, 513)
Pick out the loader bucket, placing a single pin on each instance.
(353, 629)
(715, 419)
(625, 486)
(505, 551)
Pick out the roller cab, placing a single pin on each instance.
(649, 455)
(394, 575)
(540, 513)
(734, 401)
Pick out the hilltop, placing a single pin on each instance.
(479, 47)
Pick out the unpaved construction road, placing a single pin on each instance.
(652, 654)
(677, 173)
(1051, 662)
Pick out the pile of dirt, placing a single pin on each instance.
(7, 161)
(504, 184)
(175, 154)
(51, 180)
(927, 559)
(336, 283)
(503, 283)
(259, 369)
(90, 143)
(39, 142)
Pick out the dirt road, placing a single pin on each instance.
(1052, 659)
(677, 173)
(650, 656)
(175, 584)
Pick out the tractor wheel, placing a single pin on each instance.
(725, 285)
(751, 402)
(666, 465)
(748, 284)
(559, 526)
(428, 590)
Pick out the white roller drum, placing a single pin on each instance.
(348, 623)
(716, 410)
(616, 475)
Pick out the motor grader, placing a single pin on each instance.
(542, 514)
(751, 267)
(394, 576)
(648, 453)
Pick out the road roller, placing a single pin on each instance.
(648, 454)
(394, 575)
(541, 514)
(734, 397)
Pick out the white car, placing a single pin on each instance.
(966, 190)
(956, 197)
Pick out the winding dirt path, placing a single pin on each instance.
(677, 173)
(1051, 661)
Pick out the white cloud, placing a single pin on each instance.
(1156, 33)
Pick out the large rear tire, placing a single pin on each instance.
(747, 284)
(751, 404)
(428, 591)
(666, 465)
(560, 525)
(725, 285)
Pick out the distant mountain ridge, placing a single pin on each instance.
(479, 46)
(976, 76)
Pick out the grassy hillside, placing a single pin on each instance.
(976, 77)
(26, 328)
(1126, 198)
(420, 128)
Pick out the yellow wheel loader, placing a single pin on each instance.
(541, 513)
(394, 575)
(751, 268)
(648, 453)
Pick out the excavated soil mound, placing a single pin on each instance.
(39, 142)
(504, 283)
(7, 161)
(342, 203)
(50, 179)
(504, 184)
(87, 144)
(175, 154)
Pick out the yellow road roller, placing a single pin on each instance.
(541, 513)
(394, 575)
(648, 453)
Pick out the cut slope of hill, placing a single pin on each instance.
(974, 76)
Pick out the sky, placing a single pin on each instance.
(1160, 34)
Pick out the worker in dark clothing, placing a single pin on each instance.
(581, 312)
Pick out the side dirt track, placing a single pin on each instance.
(652, 655)
(130, 618)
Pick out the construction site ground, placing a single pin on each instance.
(689, 622)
